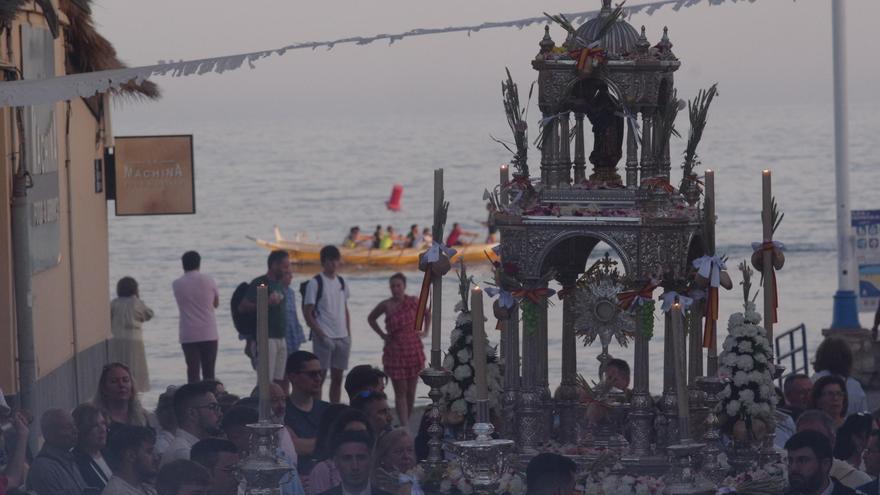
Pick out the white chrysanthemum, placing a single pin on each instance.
(464, 356)
(735, 320)
(728, 359)
(470, 394)
(745, 363)
(725, 393)
(764, 390)
(452, 390)
(745, 346)
(448, 362)
(516, 486)
(740, 378)
(455, 335)
(462, 372)
(747, 396)
(732, 408)
(760, 357)
(459, 406)
(728, 344)
(750, 331)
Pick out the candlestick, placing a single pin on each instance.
(505, 180)
(712, 354)
(479, 340)
(437, 282)
(680, 371)
(767, 255)
(263, 350)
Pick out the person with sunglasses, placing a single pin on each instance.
(304, 410)
(198, 417)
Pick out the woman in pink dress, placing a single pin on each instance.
(403, 356)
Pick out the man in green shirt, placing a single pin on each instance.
(279, 265)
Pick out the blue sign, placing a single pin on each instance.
(866, 228)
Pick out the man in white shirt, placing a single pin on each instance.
(131, 455)
(325, 308)
(198, 417)
(197, 297)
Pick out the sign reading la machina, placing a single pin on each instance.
(154, 175)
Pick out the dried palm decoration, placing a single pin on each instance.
(698, 111)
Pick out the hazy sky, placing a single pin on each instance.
(762, 52)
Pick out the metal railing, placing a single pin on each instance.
(793, 351)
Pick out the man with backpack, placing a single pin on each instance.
(325, 308)
(279, 265)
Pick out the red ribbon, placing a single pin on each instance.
(565, 292)
(768, 246)
(626, 298)
(694, 179)
(711, 317)
(423, 299)
(533, 295)
(584, 55)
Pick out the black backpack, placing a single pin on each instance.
(302, 291)
(245, 323)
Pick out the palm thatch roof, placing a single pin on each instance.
(88, 51)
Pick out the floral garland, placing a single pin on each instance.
(768, 479)
(455, 482)
(746, 360)
(615, 484)
(460, 394)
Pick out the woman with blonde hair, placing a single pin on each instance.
(127, 316)
(117, 397)
(393, 459)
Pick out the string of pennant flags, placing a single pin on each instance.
(41, 91)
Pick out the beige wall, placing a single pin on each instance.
(71, 310)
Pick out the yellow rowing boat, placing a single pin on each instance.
(309, 253)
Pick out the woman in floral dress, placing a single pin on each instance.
(403, 356)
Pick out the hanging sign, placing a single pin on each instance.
(154, 175)
(866, 227)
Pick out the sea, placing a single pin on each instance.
(317, 177)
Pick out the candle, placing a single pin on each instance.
(437, 296)
(680, 370)
(479, 340)
(505, 180)
(263, 349)
(712, 354)
(767, 256)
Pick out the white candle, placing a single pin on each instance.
(505, 180)
(263, 350)
(437, 296)
(680, 368)
(479, 340)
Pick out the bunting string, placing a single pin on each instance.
(41, 91)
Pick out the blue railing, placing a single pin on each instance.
(795, 358)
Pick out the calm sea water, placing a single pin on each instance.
(320, 176)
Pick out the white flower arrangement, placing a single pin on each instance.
(460, 393)
(746, 361)
(454, 482)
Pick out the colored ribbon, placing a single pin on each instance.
(770, 246)
(424, 295)
(627, 299)
(584, 57)
(710, 267)
(533, 295)
(505, 298)
(433, 253)
(669, 299)
(711, 324)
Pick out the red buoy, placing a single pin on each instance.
(393, 202)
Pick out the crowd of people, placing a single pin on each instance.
(389, 238)
(193, 440)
